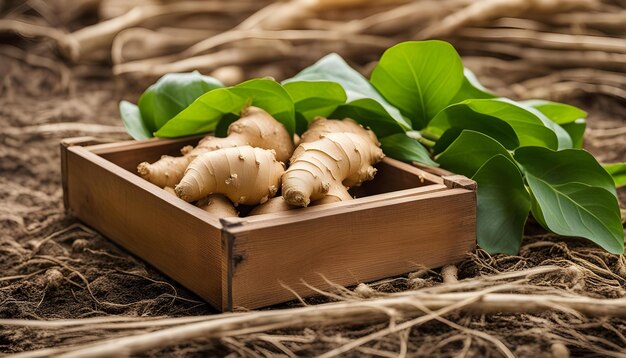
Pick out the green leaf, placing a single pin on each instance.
(508, 123)
(565, 166)
(419, 77)
(576, 209)
(573, 195)
(618, 172)
(370, 114)
(301, 123)
(204, 114)
(132, 121)
(471, 88)
(315, 98)
(576, 131)
(399, 146)
(470, 151)
(502, 206)
(221, 129)
(460, 116)
(171, 94)
(446, 139)
(147, 109)
(564, 139)
(333, 68)
(559, 113)
(570, 118)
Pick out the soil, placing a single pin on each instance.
(54, 267)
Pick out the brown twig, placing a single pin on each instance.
(86, 40)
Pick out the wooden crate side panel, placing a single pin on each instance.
(376, 241)
(129, 154)
(144, 220)
(304, 214)
(393, 175)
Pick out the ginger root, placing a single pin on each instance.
(329, 165)
(217, 205)
(322, 126)
(318, 129)
(255, 128)
(245, 175)
(214, 204)
(278, 204)
(274, 205)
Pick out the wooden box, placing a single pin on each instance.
(408, 218)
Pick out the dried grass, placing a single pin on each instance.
(64, 289)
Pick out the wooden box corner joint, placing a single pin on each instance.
(459, 181)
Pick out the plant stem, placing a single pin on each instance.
(426, 142)
(429, 135)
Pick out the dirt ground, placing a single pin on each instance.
(53, 267)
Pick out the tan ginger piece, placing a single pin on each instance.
(170, 190)
(322, 126)
(217, 205)
(335, 195)
(245, 175)
(274, 205)
(278, 204)
(329, 165)
(319, 128)
(255, 128)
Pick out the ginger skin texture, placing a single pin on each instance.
(322, 126)
(245, 175)
(217, 205)
(274, 205)
(318, 129)
(278, 204)
(329, 166)
(255, 128)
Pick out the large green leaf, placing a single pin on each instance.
(576, 209)
(131, 117)
(460, 116)
(221, 129)
(470, 151)
(171, 94)
(618, 172)
(570, 118)
(334, 69)
(565, 166)
(576, 131)
(573, 195)
(508, 123)
(502, 206)
(399, 146)
(471, 88)
(204, 114)
(560, 113)
(315, 98)
(370, 114)
(419, 77)
(563, 137)
(269, 95)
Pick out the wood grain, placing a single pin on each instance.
(360, 244)
(393, 175)
(129, 154)
(174, 236)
